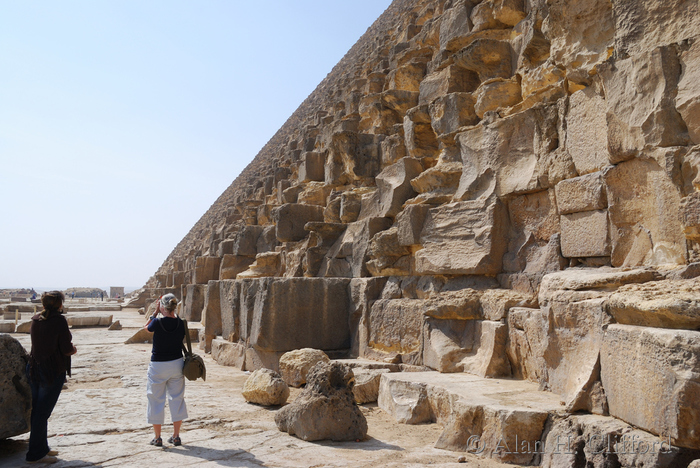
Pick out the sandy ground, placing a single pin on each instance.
(100, 420)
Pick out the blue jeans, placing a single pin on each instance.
(44, 397)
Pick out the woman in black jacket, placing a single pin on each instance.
(165, 369)
(49, 361)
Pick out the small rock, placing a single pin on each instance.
(116, 325)
(462, 460)
(265, 387)
(294, 365)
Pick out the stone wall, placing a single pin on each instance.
(497, 187)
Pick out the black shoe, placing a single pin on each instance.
(175, 441)
(158, 442)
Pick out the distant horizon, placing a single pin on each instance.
(127, 289)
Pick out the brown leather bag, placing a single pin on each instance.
(194, 364)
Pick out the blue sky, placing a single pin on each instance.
(121, 122)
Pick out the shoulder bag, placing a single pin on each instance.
(194, 364)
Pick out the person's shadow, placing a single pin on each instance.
(228, 457)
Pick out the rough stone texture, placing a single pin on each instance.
(15, 394)
(393, 189)
(291, 218)
(295, 365)
(265, 387)
(481, 224)
(598, 442)
(211, 314)
(688, 98)
(207, 269)
(585, 234)
(650, 376)
(232, 265)
(366, 389)
(661, 304)
(195, 294)
(326, 408)
(585, 193)
(228, 354)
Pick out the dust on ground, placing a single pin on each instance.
(100, 420)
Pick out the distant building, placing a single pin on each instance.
(115, 292)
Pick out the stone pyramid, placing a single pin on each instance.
(499, 188)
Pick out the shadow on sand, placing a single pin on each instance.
(229, 457)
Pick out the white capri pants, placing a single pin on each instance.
(166, 377)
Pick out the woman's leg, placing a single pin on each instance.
(176, 428)
(176, 393)
(44, 398)
(155, 391)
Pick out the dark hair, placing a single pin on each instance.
(52, 301)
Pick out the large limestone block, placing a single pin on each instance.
(640, 93)
(581, 35)
(503, 156)
(246, 241)
(229, 303)
(575, 337)
(311, 167)
(451, 79)
(474, 346)
(363, 293)
(438, 183)
(497, 14)
(294, 313)
(206, 269)
(450, 112)
(211, 315)
(478, 415)
(585, 234)
(232, 265)
(585, 193)
(326, 407)
(489, 58)
(295, 365)
(387, 256)
(195, 295)
(348, 256)
(496, 303)
(396, 327)
(463, 238)
(661, 304)
(265, 387)
(409, 223)
(291, 218)
(643, 203)
(266, 264)
(596, 441)
(15, 394)
(587, 131)
(650, 376)
(406, 402)
(455, 25)
(527, 342)
(393, 189)
(495, 94)
(366, 389)
(643, 25)
(582, 279)
(464, 304)
(690, 216)
(226, 353)
(419, 136)
(688, 98)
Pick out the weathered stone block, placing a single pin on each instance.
(585, 193)
(15, 393)
(232, 265)
(650, 376)
(393, 189)
(396, 327)
(409, 223)
(311, 167)
(587, 131)
(495, 94)
(348, 256)
(295, 365)
(292, 217)
(690, 216)
(206, 269)
(211, 314)
(246, 241)
(489, 58)
(463, 238)
(451, 79)
(455, 26)
(194, 302)
(226, 353)
(688, 98)
(318, 318)
(585, 234)
(265, 387)
(450, 112)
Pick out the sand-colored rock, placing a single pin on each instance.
(326, 408)
(265, 387)
(295, 365)
(15, 394)
(650, 379)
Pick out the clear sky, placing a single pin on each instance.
(121, 122)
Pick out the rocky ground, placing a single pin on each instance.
(100, 420)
